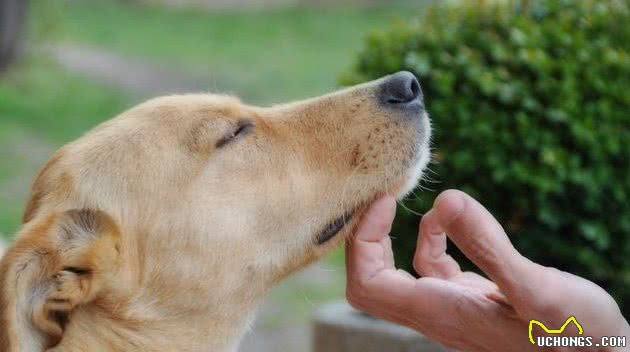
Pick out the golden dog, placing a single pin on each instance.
(163, 228)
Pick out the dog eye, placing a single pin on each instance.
(239, 130)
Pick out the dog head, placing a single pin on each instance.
(194, 202)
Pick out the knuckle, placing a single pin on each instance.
(460, 306)
(467, 311)
(356, 301)
(382, 226)
(418, 265)
(481, 249)
(358, 294)
(549, 304)
(356, 291)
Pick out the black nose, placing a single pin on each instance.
(401, 89)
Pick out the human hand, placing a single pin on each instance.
(463, 310)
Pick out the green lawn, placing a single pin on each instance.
(41, 107)
(53, 103)
(266, 56)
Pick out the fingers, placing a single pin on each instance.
(431, 258)
(371, 276)
(373, 283)
(482, 239)
(430, 305)
(370, 249)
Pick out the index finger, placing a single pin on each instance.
(482, 239)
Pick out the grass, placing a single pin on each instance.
(41, 107)
(266, 57)
(56, 104)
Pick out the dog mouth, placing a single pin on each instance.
(404, 186)
(334, 227)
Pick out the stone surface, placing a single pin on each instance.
(337, 327)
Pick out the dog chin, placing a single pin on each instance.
(414, 175)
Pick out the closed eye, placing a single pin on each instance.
(240, 129)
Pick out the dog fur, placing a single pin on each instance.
(163, 228)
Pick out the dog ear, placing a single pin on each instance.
(57, 263)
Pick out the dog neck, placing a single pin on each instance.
(194, 333)
(174, 299)
(162, 302)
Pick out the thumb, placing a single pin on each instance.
(369, 251)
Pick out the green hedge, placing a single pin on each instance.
(531, 107)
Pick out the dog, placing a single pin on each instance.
(163, 228)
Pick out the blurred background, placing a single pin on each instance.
(530, 102)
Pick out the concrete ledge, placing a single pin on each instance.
(337, 327)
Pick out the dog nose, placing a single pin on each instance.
(401, 89)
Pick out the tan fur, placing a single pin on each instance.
(152, 233)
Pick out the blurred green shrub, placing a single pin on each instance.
(530, 102)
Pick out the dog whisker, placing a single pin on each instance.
(402, 204)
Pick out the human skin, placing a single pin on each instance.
(464, 310)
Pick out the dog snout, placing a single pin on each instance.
(401, 90)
